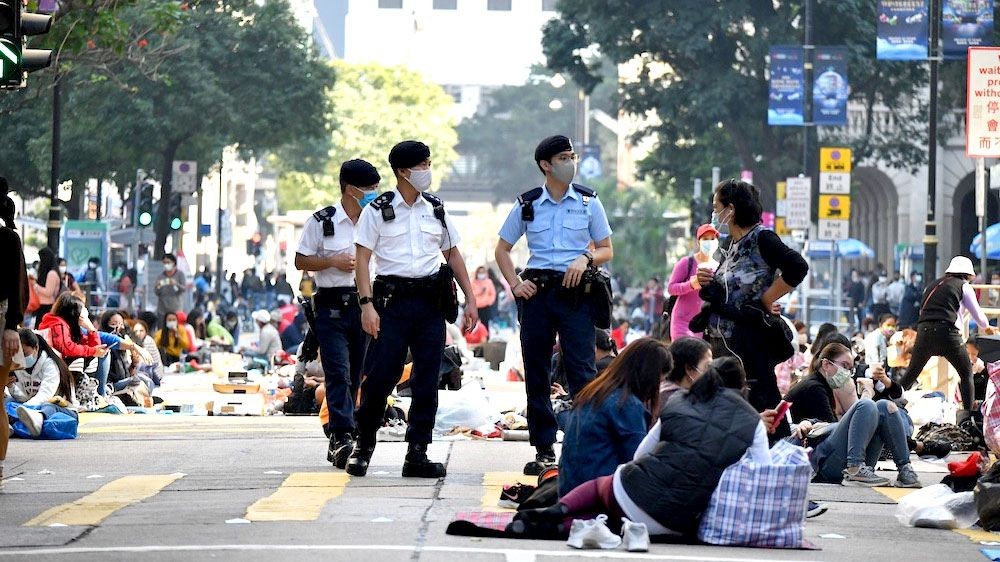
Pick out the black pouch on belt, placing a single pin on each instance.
(448, 293)
(596, 292)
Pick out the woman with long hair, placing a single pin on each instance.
(74, 335)
(171, 339)
(853, 446)
(49, 282)
(46, 384)
(611, 415)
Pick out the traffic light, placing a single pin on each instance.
(176, 220)
(16, 59)
(145, 216)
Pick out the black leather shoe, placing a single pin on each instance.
(417, 465)
(357, 464)
(545, 458)
(340, 450)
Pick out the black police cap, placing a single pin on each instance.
(358, 173)
(408, 154)
(551, 146)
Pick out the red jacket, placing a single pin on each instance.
(62, 341)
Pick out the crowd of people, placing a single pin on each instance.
(649, 424)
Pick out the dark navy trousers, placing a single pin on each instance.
(411, 322)
(342, 351)
(548, 313)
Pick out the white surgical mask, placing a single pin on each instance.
(481, 276)
(708, 247)
(420, 179)
(84, 313)
(62, 270)
(168, 267)
(171, 324)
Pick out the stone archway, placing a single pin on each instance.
(964, 222)
(874, 215)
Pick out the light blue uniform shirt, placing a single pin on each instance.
(561, 231)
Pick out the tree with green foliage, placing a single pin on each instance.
(376, 107)
(501, 138)
(702, 71)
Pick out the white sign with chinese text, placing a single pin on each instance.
(833, 229)
(982, 106)
(798, 203)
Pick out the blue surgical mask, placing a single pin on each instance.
(367, 197)
(29, 361)
(718, 222)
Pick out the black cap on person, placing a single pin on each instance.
(551, 146)
(358, 173)
(408, 154)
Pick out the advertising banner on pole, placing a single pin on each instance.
(903, 27)
(785, 105)
(964, 24)
(830, 87)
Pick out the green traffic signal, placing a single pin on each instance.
(145, 218)
(175, 211)
(176, 223)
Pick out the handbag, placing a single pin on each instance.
(760, 505)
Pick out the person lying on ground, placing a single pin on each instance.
(43, 387)
(612, 413)
(675, 470)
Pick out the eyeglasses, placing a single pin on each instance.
(848, 367)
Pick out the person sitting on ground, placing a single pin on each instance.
(217, 334)
(853, 445)
(691, 357)
(619, 333)
(74, 336)
(269, 342)
(877, 340)
(611, 415)
(605, 349)
(153, 368)
(171, 340)
(44, 386)
(194, 343)
(674, 472)
(125, 354)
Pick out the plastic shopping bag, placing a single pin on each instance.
(938, 507)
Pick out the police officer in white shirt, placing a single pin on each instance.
(407, 230)
(327, 249)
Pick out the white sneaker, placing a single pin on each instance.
(635, 536)
(32, 419)
(593, 533)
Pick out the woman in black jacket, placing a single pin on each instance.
(675, 470)
(742, 292)
(14, 299)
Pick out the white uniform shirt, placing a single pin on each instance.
(313, 243)
(409, 245)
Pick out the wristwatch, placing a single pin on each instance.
(590, 258)
(364, 300)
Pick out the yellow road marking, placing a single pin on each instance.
(894, 494)
(221, 429)
(301, 497)
(96, 507)
(493, 483)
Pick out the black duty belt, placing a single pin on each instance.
(406, 286)
(544, 278)
(336, 297)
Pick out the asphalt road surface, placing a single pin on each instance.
(195, 488)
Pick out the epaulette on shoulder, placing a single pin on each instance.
(383, 204)
(437, 204)
(383, 200)
(324, 216)
(325, 213)
(584, 190)
(525, 200)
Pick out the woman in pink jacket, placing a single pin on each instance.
(684, 282)
(49, 283)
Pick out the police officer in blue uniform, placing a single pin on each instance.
(327, 249)
(560, 220)
(407, 230)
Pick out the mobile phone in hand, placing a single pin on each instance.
(782, 410)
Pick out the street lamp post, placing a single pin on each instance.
(930, 226)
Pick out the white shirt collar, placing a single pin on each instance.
(341, 214)
(398, 200)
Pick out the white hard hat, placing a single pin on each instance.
(961, 265)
